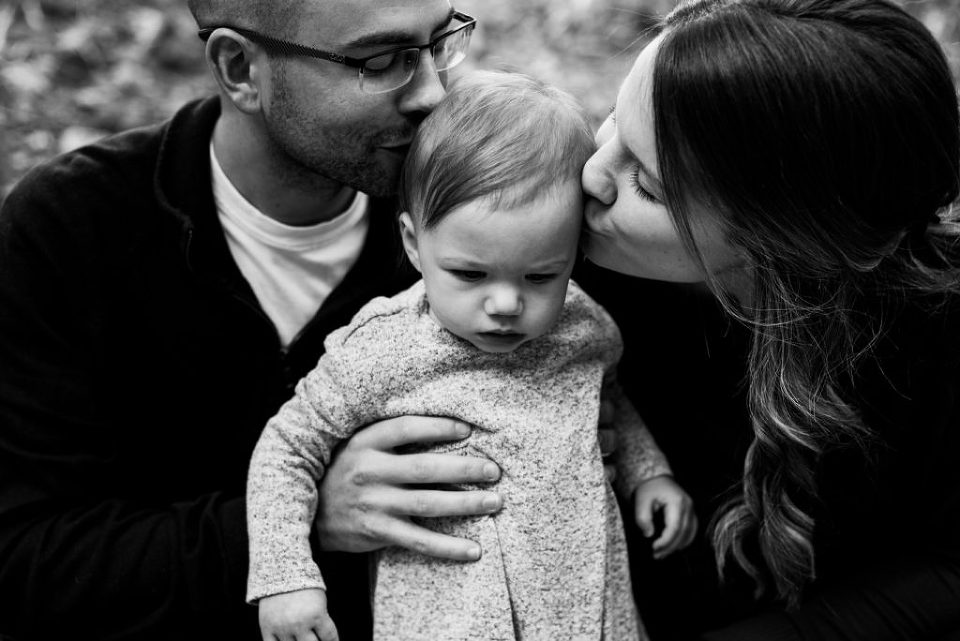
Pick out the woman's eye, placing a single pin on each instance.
(467, 275)
(638, 188)
(539, 279)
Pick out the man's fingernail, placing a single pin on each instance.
(463, 430)
(474, 553)
(491, 471)
(491, 503)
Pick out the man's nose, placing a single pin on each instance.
(503, 301)
(426, 89)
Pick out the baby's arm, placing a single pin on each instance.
(643, 476)
(291, 455)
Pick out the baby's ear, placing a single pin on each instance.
(408, 234)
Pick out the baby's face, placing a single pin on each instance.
(498, 278)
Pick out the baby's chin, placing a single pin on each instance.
(494, 343)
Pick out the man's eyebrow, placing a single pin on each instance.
(395, 37)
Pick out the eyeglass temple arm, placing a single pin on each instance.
(283, 46)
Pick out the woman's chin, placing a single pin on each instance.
(598, 251)
(638, 263)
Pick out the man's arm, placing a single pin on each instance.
(80, 548)
(75, 552)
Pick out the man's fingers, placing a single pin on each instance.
(408, 430)
(608, 441)
(433, 503)
(420, 469)
(427, 542)
(610, 471)
(607, 411)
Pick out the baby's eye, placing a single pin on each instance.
(467, 275)
(539, 279)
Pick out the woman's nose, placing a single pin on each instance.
(503, 301)
(596, 179)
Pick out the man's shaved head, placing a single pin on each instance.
(272, 16)
(308, 120)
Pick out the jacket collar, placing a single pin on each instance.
(182, 184)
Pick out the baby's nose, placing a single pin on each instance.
(504, 301)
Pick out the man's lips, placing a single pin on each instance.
(401, 146)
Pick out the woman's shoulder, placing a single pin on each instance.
(911, 379)
(926, 331)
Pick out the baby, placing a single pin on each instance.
(497, 336)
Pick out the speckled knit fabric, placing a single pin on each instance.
(554, 562)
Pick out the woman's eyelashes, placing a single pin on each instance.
(638, 188)
(635, 172)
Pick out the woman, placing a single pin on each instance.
(799, 157)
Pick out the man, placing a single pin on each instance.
(162, 291)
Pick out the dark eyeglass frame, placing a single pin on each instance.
(294, 49)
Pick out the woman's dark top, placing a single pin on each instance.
(887, 538)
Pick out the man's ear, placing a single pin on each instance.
(409, 236)
(238, 65)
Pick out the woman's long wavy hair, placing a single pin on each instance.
(824, 135)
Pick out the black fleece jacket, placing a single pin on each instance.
(136, 372)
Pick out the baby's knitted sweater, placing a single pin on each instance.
(554, 562)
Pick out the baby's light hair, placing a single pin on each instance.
(499, 136)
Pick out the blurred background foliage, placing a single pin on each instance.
(74, 70)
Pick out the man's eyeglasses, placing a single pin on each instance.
(384, 71)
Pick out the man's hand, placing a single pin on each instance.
(369, 492)
(608, 438)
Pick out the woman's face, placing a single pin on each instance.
(628, 228)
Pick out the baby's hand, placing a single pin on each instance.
(679, 519)
(300, 615)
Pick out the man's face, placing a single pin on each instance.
(317, 117)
